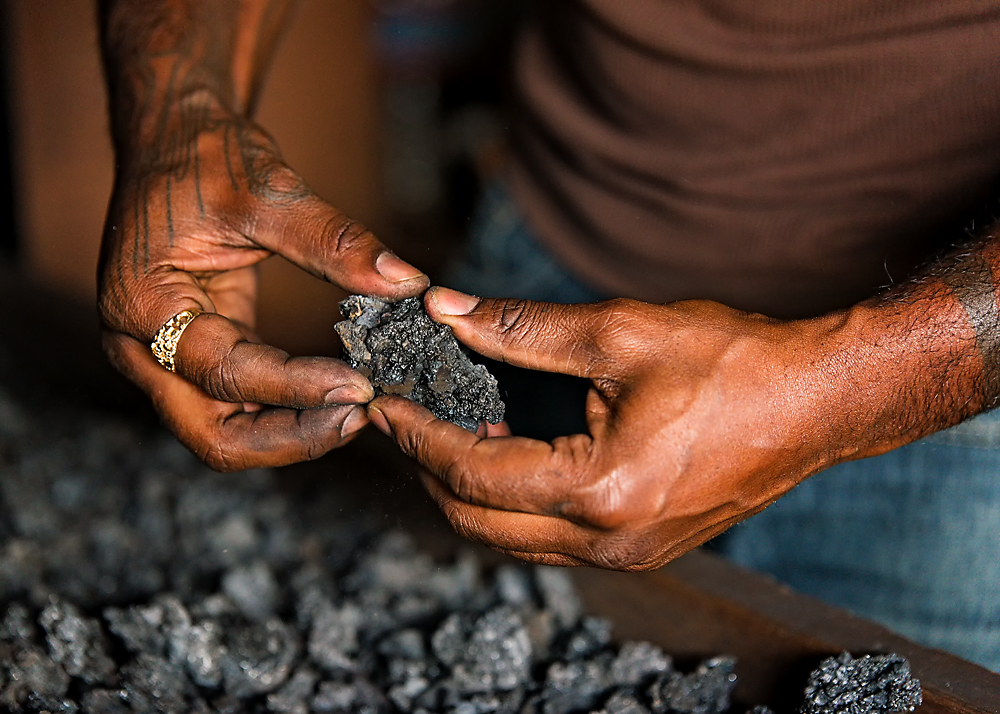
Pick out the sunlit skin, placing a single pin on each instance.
(698, 416)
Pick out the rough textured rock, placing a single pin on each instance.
(872, 684)
(704, 691)
(403, 352)
(134, 580)
(77, 643)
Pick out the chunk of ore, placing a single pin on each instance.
(403, 352)
(872, 684)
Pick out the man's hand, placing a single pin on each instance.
(180, 237)
(201, 196)
(698, 417)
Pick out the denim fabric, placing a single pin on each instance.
(910, 538)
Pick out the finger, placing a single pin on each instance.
(536, 335)
(542, 539)
(224, 435)
(556, 541)
(505, 530)
(324, 241)
(509, 473)
(214, 354)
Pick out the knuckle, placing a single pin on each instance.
(218, 458)
(314, 449)
(455, 513)
(512, 317)
(411, 443)
(605, 511)
(460, 481)
(222, 380)
(522, 323)
(609, 505)
(313, 445)
(618, 327)
(630, 554)
(341, 235)
(282, 184)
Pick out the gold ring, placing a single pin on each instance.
(164, 345)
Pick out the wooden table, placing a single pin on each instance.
(701, 605)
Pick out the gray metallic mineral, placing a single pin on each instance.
(77, 643)
(403, 352)
(704, 691)
(875, 684)
(131, 580)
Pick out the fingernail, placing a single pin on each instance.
(355, 421)
(379, 420)
(349, 394)
(393, 268)
(452, 302)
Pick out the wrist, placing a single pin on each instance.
(153, 135)
(891, 373)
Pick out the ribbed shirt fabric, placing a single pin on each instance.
(784, 156)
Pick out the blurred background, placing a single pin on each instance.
(423, 80)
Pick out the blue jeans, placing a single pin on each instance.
(910, 538)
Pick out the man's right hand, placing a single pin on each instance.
(201, 196)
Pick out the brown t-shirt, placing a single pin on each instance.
(784, 156)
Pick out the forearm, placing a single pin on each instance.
(163, 54)
(924, 355)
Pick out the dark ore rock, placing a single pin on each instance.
(405, 644)
(493, 652)
(104, 701)
(513, 585)
(152, 684)
(223, 594)
(139, 627)
(704, 691)
(637, 663)
(872, 683)
(259, 657)
(359, 696)
(575, 686)
(77, 643)
(33, 681)
(313, 589)
(333, 639)
(203, 653)
(623, 703)
(487, 703)
(17, 625)
(403, 352)
(591, 635)
(558, 594)
(293, 697)
(253, 590)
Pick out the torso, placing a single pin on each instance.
(783, 155)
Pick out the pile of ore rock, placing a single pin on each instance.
(134, 580)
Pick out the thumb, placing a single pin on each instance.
(537, 335)
(327, 243)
